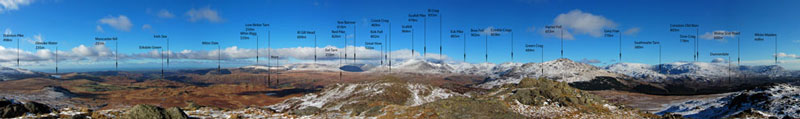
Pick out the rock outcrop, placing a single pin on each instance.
(154, 112)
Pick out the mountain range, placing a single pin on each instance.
(626, 76)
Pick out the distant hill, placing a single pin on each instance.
(7, 73)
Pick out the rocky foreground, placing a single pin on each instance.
(778, 101)
(532, 98)
(391, 98)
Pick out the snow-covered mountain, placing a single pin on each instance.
(637, 70)
(562, 69)
(312, 66)
(416, 66)
(696, 71)
(7, 73)
(265, 67)
(566, 70)
(486, 69)
(780, 101)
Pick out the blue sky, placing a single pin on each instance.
(188, 22)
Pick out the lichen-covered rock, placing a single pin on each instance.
(175, 113)
(10, 109)
(154, 112)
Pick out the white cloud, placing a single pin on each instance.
(584, 23)
(96, 53)
(146, 27)
(165, 14)
(120, 23)
(785, 55)
(9, 5)
(7, 31)
(101, 53)
(632, 31)
(203, 14)
(99, 28)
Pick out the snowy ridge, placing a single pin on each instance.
(695, 70)
(637, 70)
(7, 70)
(487, 69)
(312, 66)
(7, 73)
(338, 92)
(698, 70)
(561, 69)
(334, 97)
(435, 93)
(779, 101)
(564, 70)
(264, 67)
(416, 66)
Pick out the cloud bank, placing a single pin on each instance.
(580, 22)
(102, 53)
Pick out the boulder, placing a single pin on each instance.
(142, 111)
(37, 108)
(4, 102)
(10, 109)
(175, 113)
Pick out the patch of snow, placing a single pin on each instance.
(782, 100)
(7, 73)
(637, 70)
(313, 66)
(334, 97)
(434, 93)
(417, 66)
(265, 67)
(696, 70)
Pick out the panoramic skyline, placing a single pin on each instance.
(76, 24)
